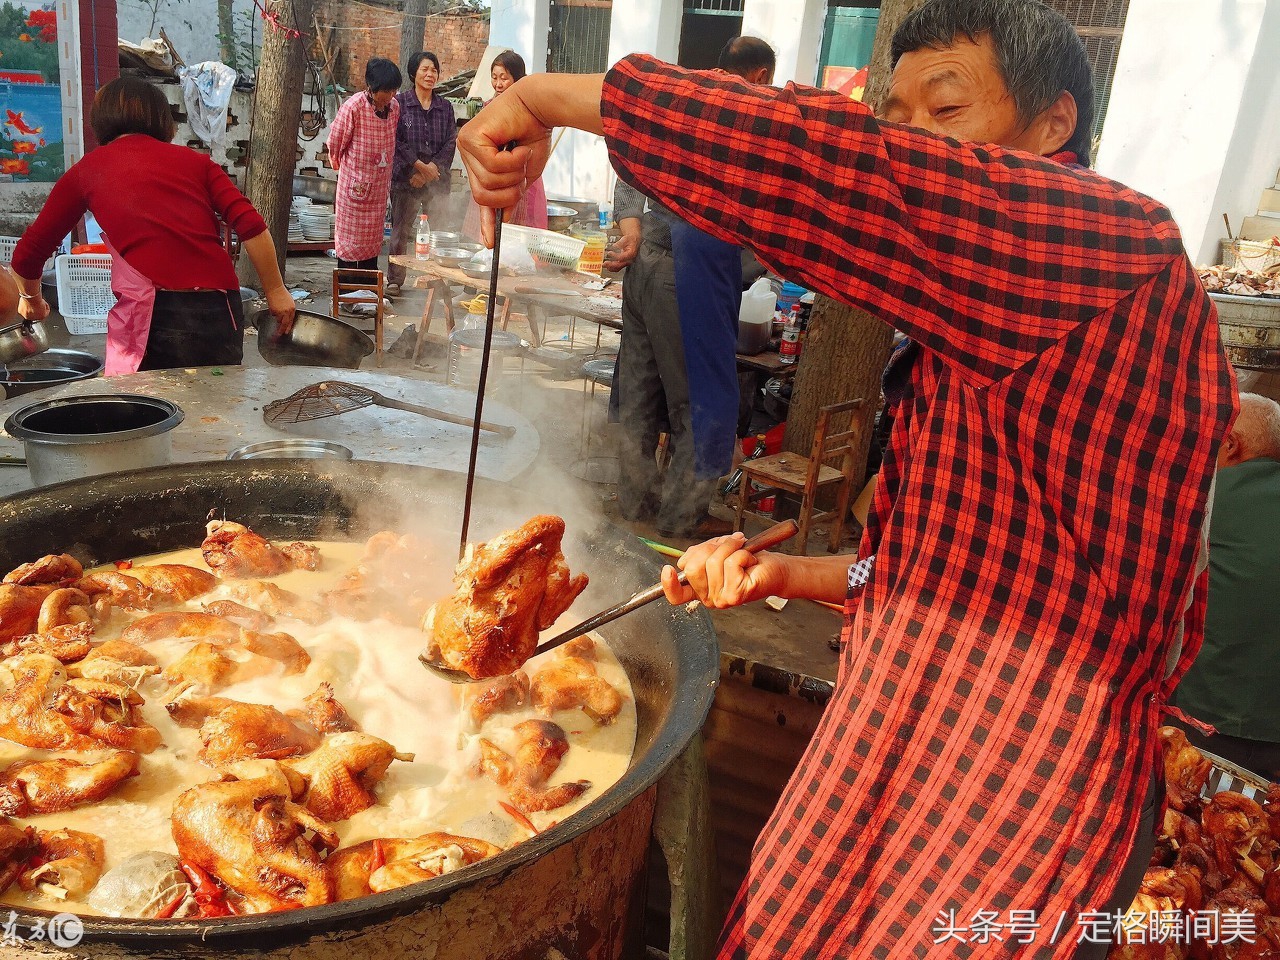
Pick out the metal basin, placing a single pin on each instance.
(76, 437)
(560, 218)
(317, 188)
(577, 888)
(23, 339)
(316, 340)
(53, 368)
(298, 448)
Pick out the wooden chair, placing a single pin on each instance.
(346, 282)
(808, 476)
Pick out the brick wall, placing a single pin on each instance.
(362, 31)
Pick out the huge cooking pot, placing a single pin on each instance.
(577, 888)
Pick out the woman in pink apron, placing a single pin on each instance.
(362, 147)
(531, 211)
(161, 207)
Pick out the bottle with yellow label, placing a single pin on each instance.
(592, 259)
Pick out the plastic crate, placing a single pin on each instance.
(6, 249)
(84, 291)
(545, 247)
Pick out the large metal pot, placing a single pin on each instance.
(74, 437)
(53, 368)
(1250, 328)
(316, 188)
(576, 889)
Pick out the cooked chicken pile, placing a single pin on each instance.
(83, 653)
(509, 590)
(1214, 857)
(1240, 281)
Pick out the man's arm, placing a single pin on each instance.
(722, 574)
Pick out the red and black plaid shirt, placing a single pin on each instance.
(991, 735)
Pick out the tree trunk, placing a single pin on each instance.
(845, 349)
(412, 33)
(277, 108)
(227, 35)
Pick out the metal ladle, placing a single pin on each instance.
(778, 533)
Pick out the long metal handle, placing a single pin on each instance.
(497, 428)
(778, 533)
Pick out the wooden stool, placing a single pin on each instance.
(346, 282)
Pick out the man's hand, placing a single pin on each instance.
(722, 574)
(623, 250)
(282, 307)
(523, 116)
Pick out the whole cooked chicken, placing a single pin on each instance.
(118, 661)
(42, 708)
(497, 695)
(174, 582)
(342, 773)
(540, 745)
(389, 863)
(253, 837)
(234, 552)
(1236, 831)
(215, 665)
(50, 786)
(570, 682)
(390, 581)
(509, 590)
(322, 710)
(55, 568)
(66, 644)
(231, 731)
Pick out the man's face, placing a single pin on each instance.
(959, 92)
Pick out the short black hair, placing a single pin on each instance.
(129, 104)
(381, 74)
(741, 55)
(512, 62)
(1038, 50)
(416, 61)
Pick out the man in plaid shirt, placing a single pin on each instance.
(975, 785)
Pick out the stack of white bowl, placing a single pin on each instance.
(296, 234)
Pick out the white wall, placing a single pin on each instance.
(650, 27)
(192, 25)
(794, 29)
(1194, 117)
(522, 26)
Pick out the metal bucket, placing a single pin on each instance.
(77, 437)
(574, 890)
(1250, 328)
(466, 351)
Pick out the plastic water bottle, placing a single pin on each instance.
(789, 349)
(423, 245)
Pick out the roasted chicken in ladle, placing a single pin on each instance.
(509, 590)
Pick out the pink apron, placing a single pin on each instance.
(129, 321)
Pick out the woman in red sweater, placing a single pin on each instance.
(159, 205)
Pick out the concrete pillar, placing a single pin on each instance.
(1192, 117)
(652, 27)
(522, 26)
(794, 29)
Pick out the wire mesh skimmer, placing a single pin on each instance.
(330, 398)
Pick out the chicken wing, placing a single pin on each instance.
(71, 861)
(323, 711)
(52, 568)
(253, 837)
(386, 864)
(571, 682)
(215, 665)
(342, 773)
(234, 552)
(509, 590)
(50, 786)
(540, 746)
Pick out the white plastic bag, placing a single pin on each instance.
(206, 89)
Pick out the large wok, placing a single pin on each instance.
(576, 888)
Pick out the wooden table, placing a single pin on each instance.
(540, 295)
